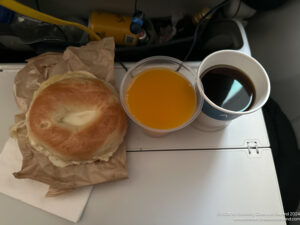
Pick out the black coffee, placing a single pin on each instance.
(228, 87)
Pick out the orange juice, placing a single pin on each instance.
(161, 98)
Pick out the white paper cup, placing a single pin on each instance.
(214, 117)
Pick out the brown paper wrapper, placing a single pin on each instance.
(97, 58)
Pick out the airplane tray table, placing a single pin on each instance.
(188, 177)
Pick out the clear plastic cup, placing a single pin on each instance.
(160, 62)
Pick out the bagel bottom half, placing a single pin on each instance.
(75, 118)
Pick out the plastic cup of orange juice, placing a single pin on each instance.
(160, 95)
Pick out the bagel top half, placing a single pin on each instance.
(75, 118)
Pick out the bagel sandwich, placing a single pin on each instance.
(75, 118)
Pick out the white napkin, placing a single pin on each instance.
(68, 206)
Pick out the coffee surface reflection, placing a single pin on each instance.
(228, 87)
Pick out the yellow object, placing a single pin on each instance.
(160, 98)
(27, 11)
(117, 26)
(198, 16)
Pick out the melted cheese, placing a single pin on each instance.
(79, 118)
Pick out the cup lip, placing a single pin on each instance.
(201, 89)
(198, 96)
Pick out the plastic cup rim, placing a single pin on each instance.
(156, 130)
